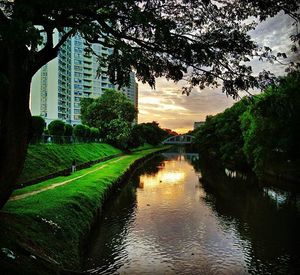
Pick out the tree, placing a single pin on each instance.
(113, 114)
(157, 38)
(68, 133)
(152, 133)
(259, 132)
(80, 132)
(271, 125)
(68, 130)
(110, 105)
(95, 134)
(37, 128)
(136, 137)
(118, 133)
(87, 132)
(57, 130)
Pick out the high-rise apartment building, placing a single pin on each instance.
(58, 86)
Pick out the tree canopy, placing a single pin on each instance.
(38, 125)
(206, 41)
(110, 105)
(259, 131)
(113, 114)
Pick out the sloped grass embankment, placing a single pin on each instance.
(43, 232)
(44, 160)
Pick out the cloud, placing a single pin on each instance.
(177, 111)
(171, 109)
(274, 33)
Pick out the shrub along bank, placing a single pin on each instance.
(42, 232)
(261, 133)
(45, 159)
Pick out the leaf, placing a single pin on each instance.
(294, 48)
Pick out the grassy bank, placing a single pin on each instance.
(48, 227)
(46, 159)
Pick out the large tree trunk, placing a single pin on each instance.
(14, 119)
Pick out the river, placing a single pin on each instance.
(180, 216)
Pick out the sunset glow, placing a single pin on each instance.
(171, 109)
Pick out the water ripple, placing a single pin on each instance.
(172, 224)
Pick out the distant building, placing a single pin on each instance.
(198, 124)
(58, 86)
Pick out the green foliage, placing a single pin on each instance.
(221, 135)
(95, 133)
(136, 137)
(56, 128)
(110, 105)
(271, 125)
(257, 131)
(118, 133)
(87, 132)
(80, 132)
(46, 132)
(151, 133)
(68, 130)
(38, 125)
(145, 39)
(113, 114)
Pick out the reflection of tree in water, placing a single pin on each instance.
(272, 231)
(151, 167)
(107, 240)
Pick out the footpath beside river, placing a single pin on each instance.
(43, 226)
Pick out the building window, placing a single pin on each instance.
(77, 86)
(77, 62)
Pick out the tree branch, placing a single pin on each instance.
(3, 18)
(64, 38)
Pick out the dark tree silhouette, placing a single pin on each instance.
(157, 38)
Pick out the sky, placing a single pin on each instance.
(168, 106)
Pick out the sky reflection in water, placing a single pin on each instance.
(167, 222)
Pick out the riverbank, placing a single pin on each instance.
(45, 161)
(42, 232)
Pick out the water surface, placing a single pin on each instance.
(174, 217)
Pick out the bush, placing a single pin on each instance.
(68, 130)
(37, 128)
(136, 137)
(68, 133)
(46, 136)
(57, 130)
(95, 134)
(79, 132)
(46, 132)
(87, 132)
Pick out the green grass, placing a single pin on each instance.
(145, 146)
(45, 159)
(52, 224)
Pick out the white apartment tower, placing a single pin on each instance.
(57, 87)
